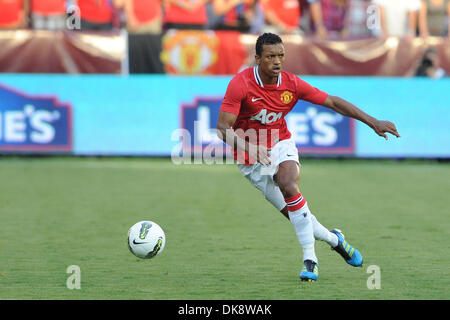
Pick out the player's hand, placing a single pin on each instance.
(261, 154)
(382, 127)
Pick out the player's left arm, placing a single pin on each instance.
(345, 108)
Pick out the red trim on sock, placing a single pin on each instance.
(297, 206)
(292, 199)
(293, 203)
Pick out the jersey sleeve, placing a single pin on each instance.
(233, 97)
(309, 93)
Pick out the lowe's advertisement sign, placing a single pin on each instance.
(314, 128)
(159, 115)
(34, 123)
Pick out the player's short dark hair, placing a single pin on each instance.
(266, 38)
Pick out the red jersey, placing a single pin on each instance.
(147, 10)
(231, 17)
(49, 7)
(96, 11)
(287, 11)
(261, 108)
(10, 12)
(176, 14)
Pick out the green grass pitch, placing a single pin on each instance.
(224, 240)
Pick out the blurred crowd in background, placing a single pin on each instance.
(326, 19)
(316, 19)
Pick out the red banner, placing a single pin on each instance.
(202, 52)
(43, 51)
(208, 52)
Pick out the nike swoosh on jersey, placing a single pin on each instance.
(256, 99)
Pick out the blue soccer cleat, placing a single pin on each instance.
(310, 271)
(349, 253)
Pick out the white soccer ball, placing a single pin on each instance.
(146, 239)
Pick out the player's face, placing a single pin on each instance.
(271, 60)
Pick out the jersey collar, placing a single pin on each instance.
(258, 78)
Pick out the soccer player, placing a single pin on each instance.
(251, 120)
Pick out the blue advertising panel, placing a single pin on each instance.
(32, 123)
(419, 107)
(138, 115)
(314, 128)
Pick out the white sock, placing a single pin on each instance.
(303, 226)
(300, 217)
(322, 233)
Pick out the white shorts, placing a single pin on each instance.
(262, 176)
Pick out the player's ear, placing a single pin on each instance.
(257, 59)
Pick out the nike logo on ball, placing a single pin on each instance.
(256, 99)
(134, 241)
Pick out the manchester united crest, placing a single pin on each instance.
(286, 97)
(189, 52)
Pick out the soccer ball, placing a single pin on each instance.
(146, 239)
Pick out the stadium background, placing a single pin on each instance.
(78, 106)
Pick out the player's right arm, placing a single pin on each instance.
(227, 134)
(228, 114)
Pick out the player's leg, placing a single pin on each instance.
(320, 232)
(266, 184)
(287, 176)
(303, 226)
(287, 179)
